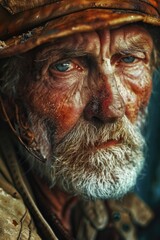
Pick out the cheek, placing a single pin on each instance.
(65, 118)
(63, 108)
(136, 91)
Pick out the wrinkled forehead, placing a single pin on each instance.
(90, 41)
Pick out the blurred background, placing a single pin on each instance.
(148, 186)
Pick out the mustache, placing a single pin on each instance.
(87, 136)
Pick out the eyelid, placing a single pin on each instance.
(138, 54)
(74, 65)
(81, 61)
(60, 62)
(53, 66)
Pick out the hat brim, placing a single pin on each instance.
(82, 21)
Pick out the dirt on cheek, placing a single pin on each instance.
(138, 92)
(54, 107)
(142, 101)
(132, 110)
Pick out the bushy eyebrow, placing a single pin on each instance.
(51, 54)
(63, 52)
(135, 44)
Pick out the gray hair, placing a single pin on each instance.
(10, 74)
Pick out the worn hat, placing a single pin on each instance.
(26, 24)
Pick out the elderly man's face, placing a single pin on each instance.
(85, 103)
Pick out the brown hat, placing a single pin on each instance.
(26, 24)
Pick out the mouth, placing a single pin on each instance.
(109, 143)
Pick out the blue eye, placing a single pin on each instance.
(129, 59)
(62, 67)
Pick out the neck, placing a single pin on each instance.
(54, 201)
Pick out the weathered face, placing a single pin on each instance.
(84, 101)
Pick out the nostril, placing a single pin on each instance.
(104, 110)
(97, 121)
(91, 109)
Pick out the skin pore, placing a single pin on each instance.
(83, 102)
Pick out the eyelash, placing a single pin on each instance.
(124, 59)
(72, 64)
(61, 65)
(127, 58)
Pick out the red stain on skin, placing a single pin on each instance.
(141, 99)
(51, 104)
(106, 98)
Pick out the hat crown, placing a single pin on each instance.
(16, 6)
(27, 24)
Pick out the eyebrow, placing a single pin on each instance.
(63, 52)
(134, 44)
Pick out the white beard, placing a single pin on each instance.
(81, 166)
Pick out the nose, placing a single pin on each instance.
(107, 104)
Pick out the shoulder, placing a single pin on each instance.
(15, 219)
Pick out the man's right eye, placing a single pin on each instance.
(62, 67)
(65, 67)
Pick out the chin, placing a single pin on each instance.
(102, 175)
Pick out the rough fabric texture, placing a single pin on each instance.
(15, 219)
(13, 180)
(119, 218)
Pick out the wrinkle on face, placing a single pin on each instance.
(63, 97)
(134, 40)
(101, 84)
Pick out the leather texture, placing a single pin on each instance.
(27, 24)
(16, 6)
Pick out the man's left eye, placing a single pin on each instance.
(62, 67)
(128, 59)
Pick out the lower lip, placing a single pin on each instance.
(107, 144)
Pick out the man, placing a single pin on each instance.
(76, 78)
